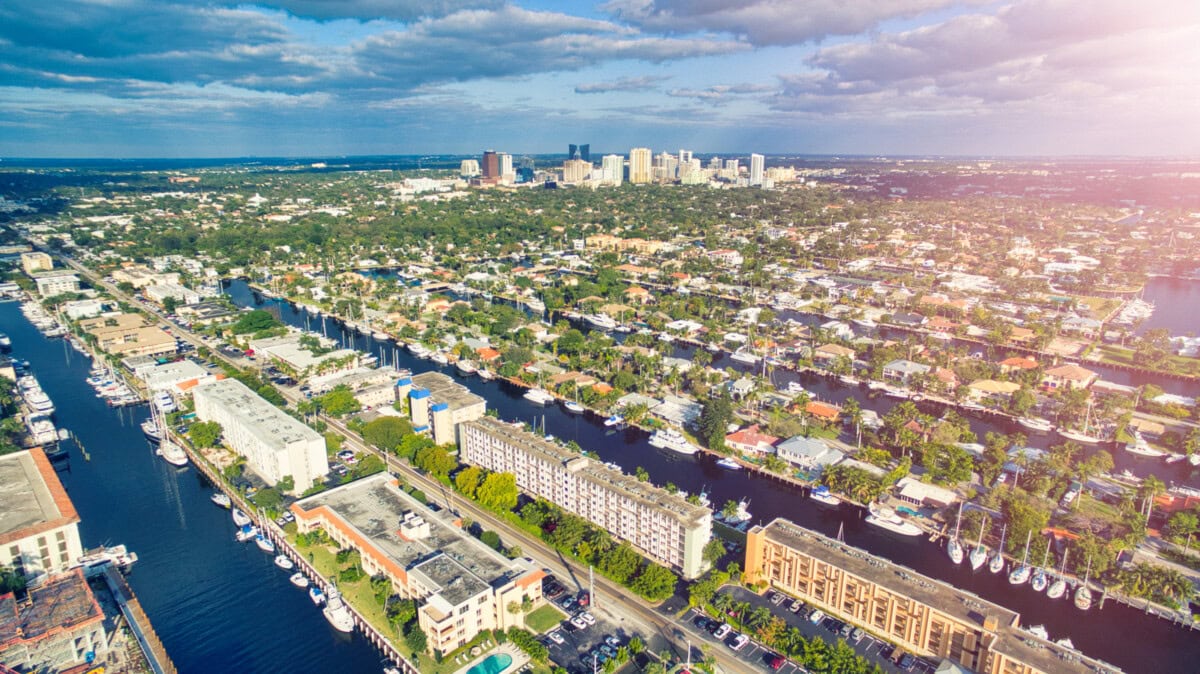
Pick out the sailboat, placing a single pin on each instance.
(979, 554)
(1040, 579)
(1083, 593)
(1084, 436)
(996, 563)
(1059, 586)
(1021, 573)
(953, 547)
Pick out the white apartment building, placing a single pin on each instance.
(51, 283)
(438, 404)
(756, 169)
(613, 167)
(39, 528)
(469, 168)
(159, 293)
(576, 170)
(640, 167)
(663, 526)
(273, 443)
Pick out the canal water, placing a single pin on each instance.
(1176, 305)
(1121, 635)
(217, 605)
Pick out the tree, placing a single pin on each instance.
(713, 551)
(467, 480)
(714, 419)
(415, 638)
(498, 492)
(435, 460)
(286, 484)
(1182, 525)
(255, 321)
(1025, 515)
(655, 583)
(339, 401)
(571, 342)
(491, 539)
(386, 433)
(268, 498)
(204, 433)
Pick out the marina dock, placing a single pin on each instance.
(139, 623)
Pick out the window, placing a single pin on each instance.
(60, 536)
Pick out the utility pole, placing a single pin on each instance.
(591, 588)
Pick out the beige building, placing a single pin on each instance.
(922, 615)
(462, 586)
(438, 404)
(39, 528)
(576, 170)
(640, 165)
(663, 526)
(127, 335)
(55, 628)
(35, 262)
(140, 276)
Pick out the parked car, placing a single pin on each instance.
(907, 662)
(722, 631)
(608, 650)
(585, 598)
(857, 635)
(588, 618)
(816, 617)
(777, 598)
(578, 623)
(795, 606)
(555, 637)
(777, 661)
(612, 641)
(739, 642)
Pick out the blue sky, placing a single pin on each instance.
(176, 78)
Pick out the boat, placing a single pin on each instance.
(1059, 586)
(265, 544)
(669, 438)
(1020, 574)
(1066, 643)
(712, 347)
(1083, 593)
(702, 497)
(466, 367)
(220, 498)
(740, 518)
(316, 595)
(337, 612)
(439, 358)
(5, 341)
(1040, 632)
(486, 374)
(794, 388)
(886, 518)
(1036, 424)
(240, 518)
(895, 392)
(246, 533)
(172, 453)
(864, 323)
(284, 563)
(996, 563)
(1040, 578)
(574, 407)
(848, 380)
(979, 554)
(953, 547)
(1084, 436)
(419, 350)
(744, 356)
(600, 321)
(151, 430)
(298, 579)
(1140, 447)
(665, 337)
(538, 396)
(117, 555)
(729, 464)
(821, 494)
(381, 336)
(614, 420)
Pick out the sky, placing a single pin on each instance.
(209, 78)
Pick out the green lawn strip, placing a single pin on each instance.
(544, 618)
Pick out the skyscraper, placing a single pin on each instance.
(685, 157)
(506, 168)
(756, 169)
(639, 165)
(490, 164)
(585, 152)
(572, 151)
(613, 166)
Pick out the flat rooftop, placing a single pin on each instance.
(598, 473)
(266, 422)
(449, 558)
(443, 389)
(32, 500)
(947, 599)
(63, 602)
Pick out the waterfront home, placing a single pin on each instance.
(740, 388)
(922, 494)
(637, 295)
(828, 354)
(678, 411)
(808, 453)
(1017, 364)
(908, 319)
(992, 391)
(822, 412)
(751, 440)
(903, 370)
(1068, 376)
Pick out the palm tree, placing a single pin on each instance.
(1151, 487)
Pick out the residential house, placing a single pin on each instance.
(992, 390)
(751, 440)
(808, 453)
(1018, 364)
(904, 370)
(1068, 376)
(922, 494)
(637, 295)
(828, 354)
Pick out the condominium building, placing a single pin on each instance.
(462, 586)
(160, 292)
(664, 526)
(36, 261)
(613, 168)
(51, 283)
(469, 168)
(756, 169)
(126, 335)
(640, 168)
(274, 444)
(438, 404)
(922, 615)
(576, 170)
(39, 528)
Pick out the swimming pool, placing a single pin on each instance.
(492, 664)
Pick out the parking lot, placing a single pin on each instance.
(575, 653)
(874, 650)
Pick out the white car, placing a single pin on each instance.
(588, 618)
(578, 623)
(722, 631)
(816, 617)
(555, 637)
(739, 642)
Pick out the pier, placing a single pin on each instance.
(139, 623)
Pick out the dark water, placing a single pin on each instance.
(217, 605)
(1177, 306)
(1123, 636)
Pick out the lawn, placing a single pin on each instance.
(544, 618)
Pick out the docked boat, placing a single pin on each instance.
(1040, 632)
(1020, 573)
(1080, 437)
(1066, 643)
(600, 321)
(979, 554)
(5, 341)
(298, 579)
(381, 336)
(172, 453)
(439, 358)
(821, 494)
(240, 518)
(895, 392)
(741, 516)
(1083, 593)
(337, 612)
(466, 367)
(669, 438)
(847, 380)
(614, 420)
(316, 595)
(996, 563)
(574, 407)
(794, 388)
(744, 356)
(221, 499)
(538, 396)
(151, 430)
(864, 323)
(1039, 580)
(265, 544)
(419, 350)
(486, 374)
(1059, 587)
(712, 348)
(729, 464)
(1140, 447)
(954, 548)
(247, 532)
(1036, 424)
(284, 563)
(117, 555)
(886, 518)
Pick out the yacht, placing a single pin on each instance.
(1081, 437)
(1066, 643)
(821, 494)
(1039, 580)
(1083, 593)
(742, 516)
(669, 438)
(614, 420)
(265, 544)
(744, 356)
(284, 563)
(37, 399)
(996, 563)
(337, 613)
(600, 321)
(1020, 573)
(954, 548)
(221, 499)
(5, 341)
(298, 579)
(151, 430)
(240, 518)
(1036, 424)
(729, 464)
(1140, 447)
(574, 407)
(381, 336)
(895, 392)
(712, 348)
(466, 367)
(316, 595)
(486, 374)
(864, 323)
(246, 533)
(886, 518)
(417, 349)
(794, 388)
(847, 380)
(439, 358)
(538, 396)
(117, 555)
(172, 453)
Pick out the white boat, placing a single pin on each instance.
(600, 321)
(669, 438)
(284, 563)
(953, 547)
(712, 348)
(298, 579)
(1020, 573)
(821, 494)
(979, 554)
(864, 323)
(419, 350)
(1083, 593)
(1140, 447)
(172, 453)
(1036, 424)
(794, 388)
(466, 367)
(743, 356)
(220, 498)
(265, 544)
(704, 500)
(316, 595)
(1040, 632)
(1080, 437)
(247, 532)
(439, 358)
(5, 342)
(876, 386)
(664, 337)
(886, 518)
(614, 420)
(996, 563)
(337, 613)
(240, 518)
(848, 380)
(1066, 643)
(382, 336)
(117, 555)
(538, 396)
(151, 430)
(1039, 580)
(895, 392)
(486, 374)
(729, 464)
(574, 407)
(1059, 586)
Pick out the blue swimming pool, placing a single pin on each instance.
(492, 664)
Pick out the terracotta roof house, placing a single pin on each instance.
(751, 441)
(1068, 376)
(1018, 364)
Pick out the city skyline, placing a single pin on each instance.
(362, 77)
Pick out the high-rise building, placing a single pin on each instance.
(437, 404)
(576, 170)
(685, 156)
(756, 169)
(640, 170)
(714, 163)
(572, 151)
(490, 164)
(665, 166)
(585, 152)
(664, 526)
(469, 168)
(613, 166)
(506, 168)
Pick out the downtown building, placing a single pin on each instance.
(640, 166)
(274, 444)
(922, 615)
(438, 405)
(663, 526)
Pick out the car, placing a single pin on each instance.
(578, 623)
(339, 470)
(599, 655)
(777, 598)
(568, 603)
(739, 642)
(795, 606)
(588, 618)
(612, 641)
(776, 661)
(585, 598)
(555, 637)
(907, 662)
(845, 630)
(702, 622)
(553, 592)
(345, 454)
(608, 650)
(816, 617)
(857, 635)
(722, 631)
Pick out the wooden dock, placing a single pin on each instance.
(139, 622)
